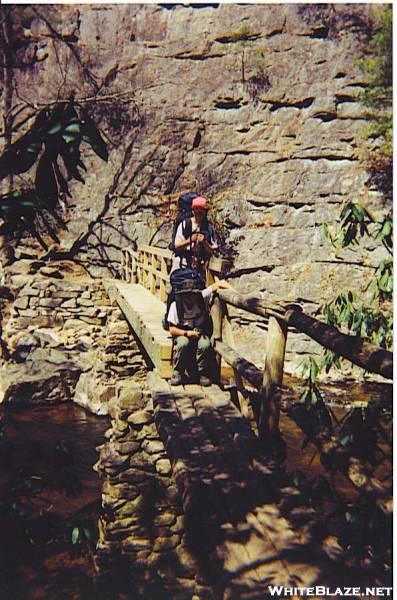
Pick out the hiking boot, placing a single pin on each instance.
(176, 378)
(204, 380)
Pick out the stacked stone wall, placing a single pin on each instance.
(64, 340)
(142, 546)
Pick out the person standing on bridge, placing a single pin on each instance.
(190, 326)
(195, 240)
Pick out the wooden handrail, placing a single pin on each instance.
(370, 357)
(252, 303)
(150, 267)
(360, 352)
(163, 252)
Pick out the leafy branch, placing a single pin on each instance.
(361, 320)
(378, 98)
(53, 143)
(373, 320)
(355, 220)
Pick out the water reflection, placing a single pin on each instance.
(48, 491)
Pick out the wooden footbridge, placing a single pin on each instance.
(227, 473)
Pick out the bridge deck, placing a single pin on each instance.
(232, 519)
(145, 312)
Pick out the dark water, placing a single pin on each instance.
(341, 398)
(48, 489)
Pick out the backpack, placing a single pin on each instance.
(202, 321)
(177, 279)
(180, 276)
(184, 213)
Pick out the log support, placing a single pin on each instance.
(269, 413)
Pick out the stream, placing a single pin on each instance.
(50, 497)
(48, 489)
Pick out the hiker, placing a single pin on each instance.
(194, 241)
(190, 326)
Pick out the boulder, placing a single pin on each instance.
(37, 382)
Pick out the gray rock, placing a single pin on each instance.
(29, 290)
(50, 302)
(24, 346)
(48, 337)
(71, 303)
(92, 391)
(153, 446)
(30, 313)
(73, 324)
(163, 466)
(166, 543)
(130, 397)
(21, 302)
(140, 417)
(37, 382)
(50, 355)
(51, 272)
(127, 448)
(84, 301)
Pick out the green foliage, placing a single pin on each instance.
(354, 225)
(82, 537)
(53, 143)
(355, 221)
(385, 233)
(378, 61)
(373, 319)
(311, 406)
(378, 97)
(348, 312)
(310, 370)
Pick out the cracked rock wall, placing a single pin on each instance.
(254, 106)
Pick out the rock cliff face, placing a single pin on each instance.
(255, 106)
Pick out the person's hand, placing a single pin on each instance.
(193, 333)
(222, 284)
(198, 238)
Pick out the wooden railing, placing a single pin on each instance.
(150, 266)
(268, 381)
(280, 317)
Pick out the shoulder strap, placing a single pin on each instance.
(187, 228)
(179, 308)
(211, 230)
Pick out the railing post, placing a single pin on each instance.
(127, 266)
(217, 321)
(153, 278)
(134, 264)
(122, 263)
(269, 413)
(164, 273)
(145, 270)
